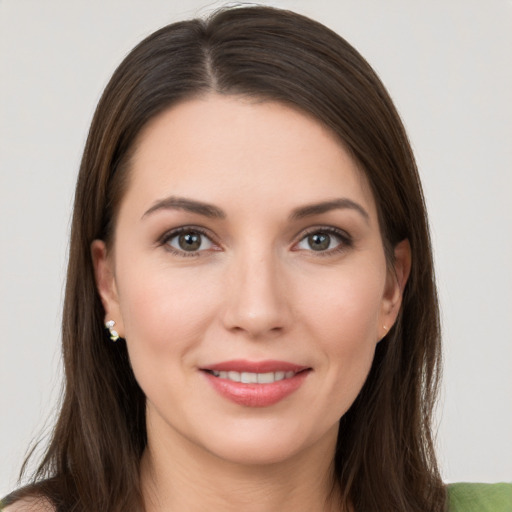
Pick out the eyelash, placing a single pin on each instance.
(167, 237)
(345, 240)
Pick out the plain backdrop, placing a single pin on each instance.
(447, 64)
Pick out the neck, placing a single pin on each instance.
(178, 476)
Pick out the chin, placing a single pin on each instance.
(269, 444)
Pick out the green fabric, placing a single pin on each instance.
(469, 497)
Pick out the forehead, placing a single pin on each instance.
(217, 147)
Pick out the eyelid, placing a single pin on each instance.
(346, 240)
(172, 233)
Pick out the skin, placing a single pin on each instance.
(255, 289)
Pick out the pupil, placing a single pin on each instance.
(190, 241)
(319, 241)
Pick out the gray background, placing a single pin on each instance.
(448, 66)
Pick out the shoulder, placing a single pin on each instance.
(473, 497)
(29, 505)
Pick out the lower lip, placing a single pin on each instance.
(256, 395)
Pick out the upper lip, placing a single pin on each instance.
(241, 365)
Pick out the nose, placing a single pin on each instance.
(256, 302)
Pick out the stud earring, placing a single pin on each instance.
(114, 335)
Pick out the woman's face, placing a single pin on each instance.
(248, 278)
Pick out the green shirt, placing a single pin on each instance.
(469, 497)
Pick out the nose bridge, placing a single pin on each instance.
(256, 302)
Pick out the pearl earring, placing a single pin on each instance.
(114, 335)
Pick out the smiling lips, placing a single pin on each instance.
(256, 384)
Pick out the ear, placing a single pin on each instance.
(106, 283)
(395, 285)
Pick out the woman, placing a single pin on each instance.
(249, 226)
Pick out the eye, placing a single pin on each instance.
(187, 241)
(324, 240)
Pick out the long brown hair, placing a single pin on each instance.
(385, 456)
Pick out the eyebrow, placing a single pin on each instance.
(189, 205)
(211, 211)
(326, 206)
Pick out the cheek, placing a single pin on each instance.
(164, 312)
(344, 319)
(347, 306)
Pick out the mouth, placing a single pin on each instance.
(252, 377)
(256, 384)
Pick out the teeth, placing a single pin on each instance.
(249, 378)
(266, 378)
(232, 376)
(253, 378)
